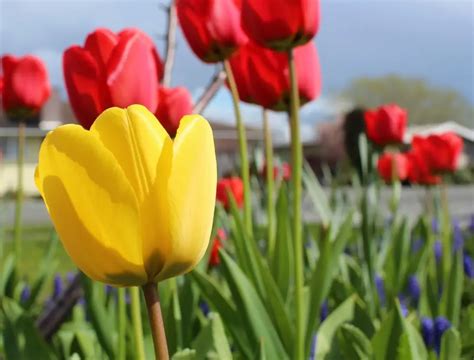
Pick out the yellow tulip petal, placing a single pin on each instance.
(143, 149)
(191, 195)
(92, 206)
(135, 137)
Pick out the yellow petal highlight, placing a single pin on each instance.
(92, 205)
(135, 138)
(191, 195)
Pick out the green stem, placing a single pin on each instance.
(270, 184)
(297, 166)
(244, 162)
(157, 326)
(19, 192)
(121, 354)
(137, 323)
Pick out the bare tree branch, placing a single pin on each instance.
(211, 90)
(170, 43)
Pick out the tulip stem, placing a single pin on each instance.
(152, 299)
(137, 323)
(121, 354)
(19, 191)
(297, 166)
(270, 184)
(244, 163)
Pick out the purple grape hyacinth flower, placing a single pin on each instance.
(417, 245)
(427, 331)
(468, 266)
(312, 351)
(324, 312)
(57, 286)
(414, 289)
(441, 324)
(471, 225)
(435, 225)
(438, 251)
(204, 306)
(25, 294)
(379, 284)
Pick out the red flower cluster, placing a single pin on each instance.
(386, 124)
(120, 70)
(262, 75)
(232, 185)
(212, 27)
(24, 85)
(279, 172)
(393, 166)
(428, 158)
(253, 30)
(214, 258)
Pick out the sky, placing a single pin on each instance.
(428, 39)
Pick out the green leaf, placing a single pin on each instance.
(282, 263)
(451, 298)
(99, 316)
(324, 272)
(386, 339)
(450, 345)
(327, 331)
(252, 309)
(186, 354)
(231, 317)
(317, 195)
(212, 342)
(353, 343)
(7, 275)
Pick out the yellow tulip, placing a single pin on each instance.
(131, 205)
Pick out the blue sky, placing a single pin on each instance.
(432, 40)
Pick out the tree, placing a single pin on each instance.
(426, 104)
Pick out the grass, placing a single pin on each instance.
(35, 242)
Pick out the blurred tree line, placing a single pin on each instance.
(426, 104)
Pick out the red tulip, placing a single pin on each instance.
(25, 85)
(280, 24)
(173, 104)
(211, 27)
(234, 186)
(441, 151)
(419, 171)
(214, 258)
(111, 70)
(386, 124)
(393, 166)
(262, 75)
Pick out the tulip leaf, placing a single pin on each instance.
(324, 272)
(451, 298)
(282, 263)
(249, 250)
(17, 325)
(252, 309)
(99, 315)
(226, 309)
(353, 343)
(7, 275)
(186, 354)
(212, 342)
(450, 345)
(317, 195)
(326, 342)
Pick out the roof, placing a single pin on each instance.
(449, 126)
